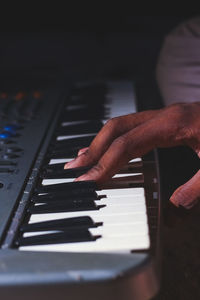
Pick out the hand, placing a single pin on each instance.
(127, 137)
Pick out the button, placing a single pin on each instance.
(9, 156)
(12, 127)
(1, 185)
(11, 132)
(3, 142)
(5, 135)
(13, 149)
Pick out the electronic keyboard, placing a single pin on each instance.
(65, 239)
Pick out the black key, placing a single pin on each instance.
(64, 207)
(69, 236)
(72, 143)
(90, 89)
(83, 114)
(53, 173)
(61, 196)
(68, 187)
(89, 100)
(63, 153)
(87, 127)
(62, 224)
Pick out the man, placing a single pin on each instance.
(130, 136)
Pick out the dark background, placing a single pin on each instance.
(54, 50)
(44, 49)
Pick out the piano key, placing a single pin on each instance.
(68, 159)
(67, 187)
(57, 171)
(115, 210)
(73, 142)
(133, 178)
(57, 181)
(63, 152)
(101, 210)
(126, 217)
(83, 114)
(75, 136)
(108, 230)
(130, 229)
(122, 98)
(60, 160)
(74, 123)
(72, 235)
(121, 192)
(82, 128)
(63, 207)
(50, 198)
(125, 200)
(126, 175)
(111, 244)
(61, 224)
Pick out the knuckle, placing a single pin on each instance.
(98, 168)
(120, 142)
(113, 123)
(179, 109)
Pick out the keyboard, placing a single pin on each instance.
(61, 238)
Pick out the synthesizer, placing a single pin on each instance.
(74, 240)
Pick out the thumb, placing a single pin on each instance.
(188, 194)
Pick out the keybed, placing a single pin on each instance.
(119, 208)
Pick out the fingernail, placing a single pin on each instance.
(81, 151)
(69, 165)
(174, 201)
(82, 178)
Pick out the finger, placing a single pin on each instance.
(188, 194)
(133, 144)
(81, 151)
(156, 132)
(113, 129)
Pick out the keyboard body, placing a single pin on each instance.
(64, 275)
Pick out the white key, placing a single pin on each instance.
(101, 213)
(74, 123)
(106, 230)
(126, 175)
(60, 160)
(126, 200)
(65, 180)
(110, 244)
(120, 230)
(121, 192)
(66, 137)
(122, 99)
(63, 160)
(56, 181)
(108, 219)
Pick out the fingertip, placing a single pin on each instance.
(70, 164)
(82, 178)
(174, 201)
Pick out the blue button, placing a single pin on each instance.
(5, 135)
(11, 127)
